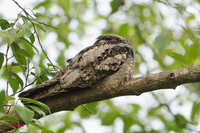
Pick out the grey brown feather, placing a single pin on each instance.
(110, 57)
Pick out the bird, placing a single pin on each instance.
(108, 63)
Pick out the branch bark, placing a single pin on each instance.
(135, 86)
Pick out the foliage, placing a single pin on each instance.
(164, 33)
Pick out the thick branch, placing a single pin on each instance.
(135, 86)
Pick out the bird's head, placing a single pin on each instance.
(112, 39)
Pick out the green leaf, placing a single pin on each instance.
(114, 5)
(127, 122)
(44, 130)
(23, 68)
(41, 80)
(39, 111)
(18, 79)
(10, 98)
(27, 30)
(38, 126)
(193, 53)
(22, 27)
(36, 102)
(25, 113)
(38, 15)
(47, 131)
(61, 59)
(37, 121)
(136, 107)
(49, 64)
(140, 38)
(190, 33)
(23, 52)
(4, 34)
(25, 19)
(4, 24)
(183, 120)
(37, 68)
(2, 100)
(6, 123)
(20, 59)
(9, 117)
(195, 110)
(162, 41)
(124, 30)
(40, 27)
(32, 38)
(1, 59)
(109, 117)
(13, 83)
(12, 35)
(177, 57)
(91, 106)
(8, 36)
(46, 4)
(52, 74)
(29, 43)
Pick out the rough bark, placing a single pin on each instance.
(135, 86)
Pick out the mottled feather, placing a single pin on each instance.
(104, 58)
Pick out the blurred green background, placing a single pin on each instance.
(165, 35)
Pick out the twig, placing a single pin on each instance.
(32, 17)
(27, 73)
(5, 105)
(35, 80)
(27, 85)
(8, 73)
(38, 38)
(7, 69)
(86, 109)
(10, 57)
(7, 111)
(16, 21)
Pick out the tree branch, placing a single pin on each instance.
(135, 86)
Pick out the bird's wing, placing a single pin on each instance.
(94, 63)
(45, 89)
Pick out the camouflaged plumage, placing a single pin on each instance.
(104, 58)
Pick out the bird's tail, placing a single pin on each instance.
(46, 89)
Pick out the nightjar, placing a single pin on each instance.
(109, 62)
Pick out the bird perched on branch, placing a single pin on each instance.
(108, 63)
